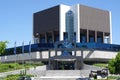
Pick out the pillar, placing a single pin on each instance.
(74, 52)
(55, 52)
(110, 40)
(49, 66)
(49, 55)
(39, 38)
(96, 36)
(53, 37)
(75, 65)
(49, 63)
(82, 58)
(103, 37)
(56, 65)
(45, 37)
(87, 36)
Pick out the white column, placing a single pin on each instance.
(62, 25)
(103, 37)
(110, 28)
(76, 11)
(96, 36)
(87, 36)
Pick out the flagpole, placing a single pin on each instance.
(15, 53)
(30, 54)
(23, 53)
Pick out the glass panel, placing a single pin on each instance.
(70, 25)
(50, 40)
(65, 36)
(42, 40)
(99, 40)
(83, 39)
(56, 38)
(91, 40)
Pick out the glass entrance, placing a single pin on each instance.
(65, 65)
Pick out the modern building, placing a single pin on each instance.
(70, 25)
(88, 24)
(67, 36)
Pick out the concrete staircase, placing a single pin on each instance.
(42, 74)
(63, 75)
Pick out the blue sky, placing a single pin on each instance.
(16, 17)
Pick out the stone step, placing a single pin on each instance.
(57, 78)
(62, 73)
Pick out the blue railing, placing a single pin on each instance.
(99, 46)
(47, 46)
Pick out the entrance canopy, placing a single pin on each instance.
(65, 58)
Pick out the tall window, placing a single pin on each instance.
(91, 39)
(42, 40)
(99, 40)
(56, 38)
(70, 25)
(83, 39)
(50, 40)
(65, 36)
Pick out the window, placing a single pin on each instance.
(91, 39)
(70, 25)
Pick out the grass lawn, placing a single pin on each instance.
(1, 78)
(113, 77)
(15, 76)
(104, 65)
(4, 67)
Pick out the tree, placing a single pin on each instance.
(111, 66)
(117, 63)
(114, 65)
(3, 45)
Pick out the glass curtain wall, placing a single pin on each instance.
(70, 25)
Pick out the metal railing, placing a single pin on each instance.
(47, 46)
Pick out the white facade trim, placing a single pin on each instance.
(44, 55)
(75, 9)
(62, 24)
(110, 27)
(78, 24)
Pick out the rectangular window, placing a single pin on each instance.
(65, 36)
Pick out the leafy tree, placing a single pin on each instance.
(3, 46)
(111, 66)
(114, 65)
(117, 63)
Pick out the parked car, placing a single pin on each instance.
(83, 79)
(24, 78)
(118, 78)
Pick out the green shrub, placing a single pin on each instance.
(113, 77)
(12, 77)
(9, 66)
(114, 65)
(101, 65)
(15, 76)
(4, 67)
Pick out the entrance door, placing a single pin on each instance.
(63, 65)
